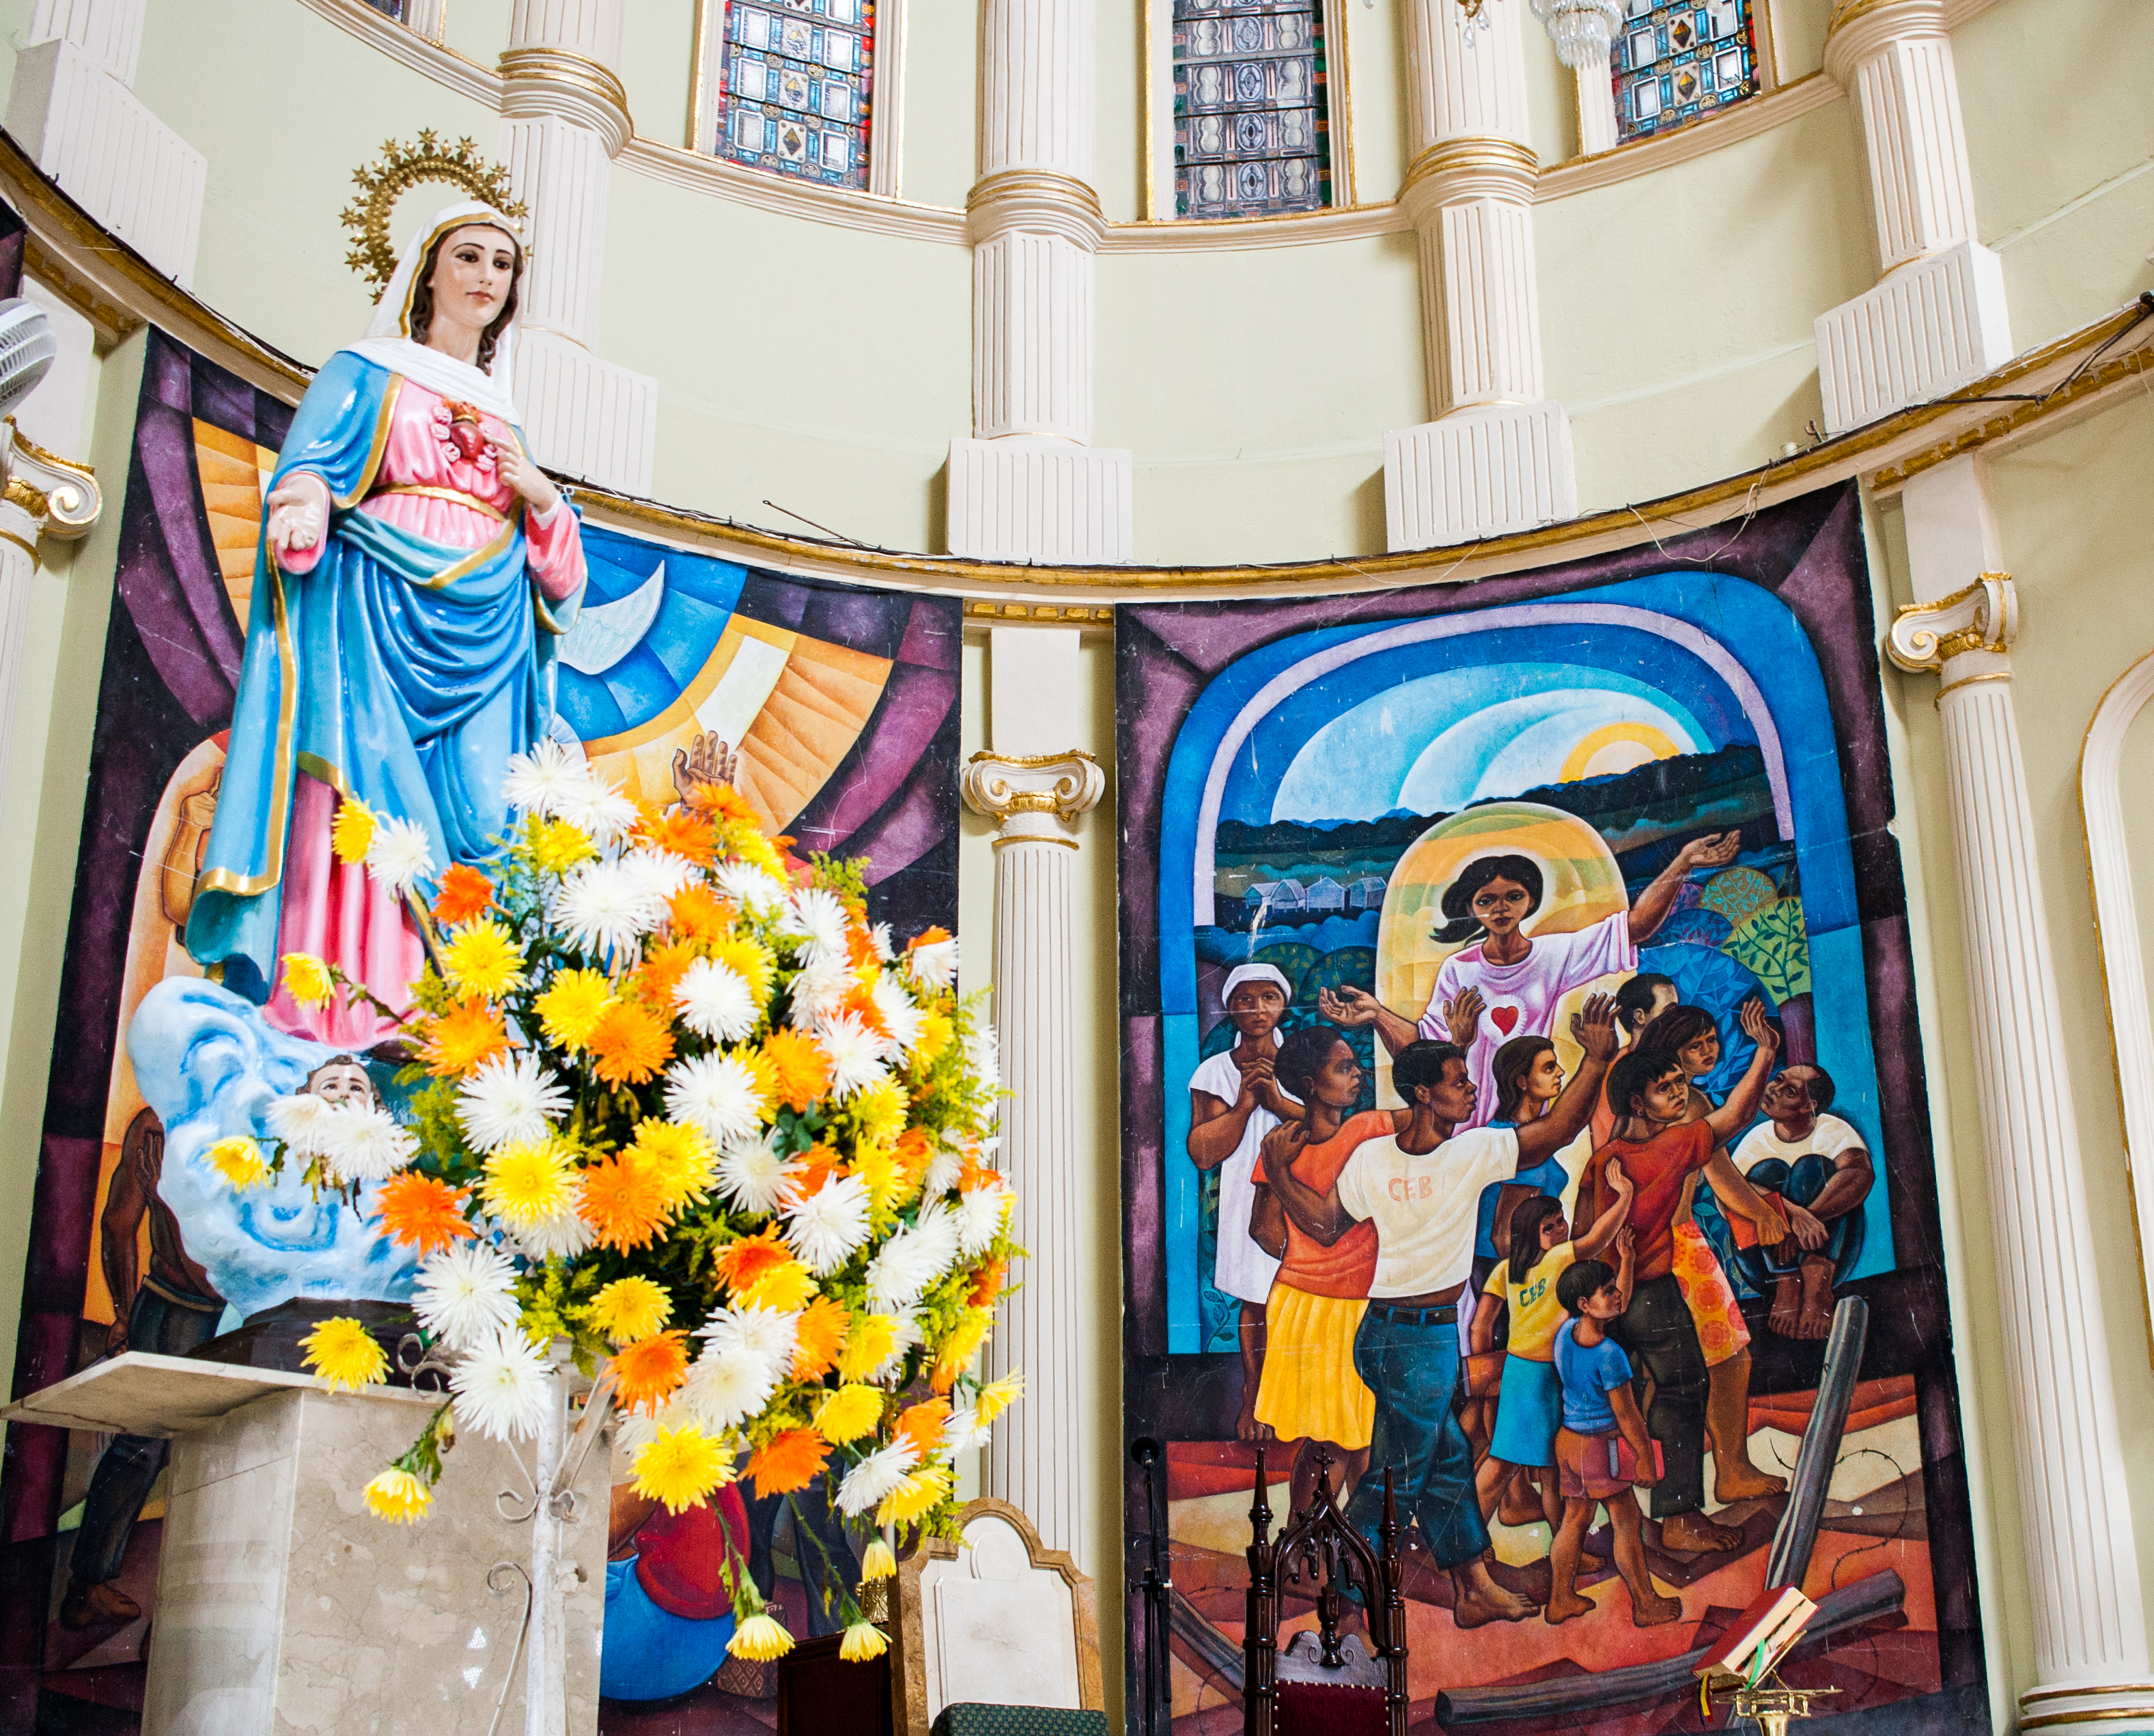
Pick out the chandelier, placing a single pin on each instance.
(1582, 28)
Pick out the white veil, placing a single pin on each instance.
(388, 340)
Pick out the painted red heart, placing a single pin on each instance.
(1506, 1019)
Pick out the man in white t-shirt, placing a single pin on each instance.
(1817, 1166)
(1233, 1102)
(1511, 981)
(1419, 1187)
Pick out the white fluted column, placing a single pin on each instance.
(44, 495)
(1937, 320)
(1497, 457)
(1037, 792)
(1597, 128)
(1029, 485)
(564, 118)
(2091, 1651)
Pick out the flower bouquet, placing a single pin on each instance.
(678, 1107)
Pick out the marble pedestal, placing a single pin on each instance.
(285, 1606)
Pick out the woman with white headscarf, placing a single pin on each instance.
(414, 570)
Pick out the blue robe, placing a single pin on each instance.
(399, 672)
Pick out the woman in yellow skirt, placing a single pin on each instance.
(1310, 1395)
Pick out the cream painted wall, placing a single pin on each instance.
(657, 66)
(937, 165)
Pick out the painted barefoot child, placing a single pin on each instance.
(1601, 1450)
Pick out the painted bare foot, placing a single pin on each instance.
(1245, 1425)
(96, 1606)
(1479, 1600)
(1816, 1319)
(1521, 1504)
(1692, 1533)
(1786, 1316)
(1742, 1481)
(1562, 1609)
(1654, 1612)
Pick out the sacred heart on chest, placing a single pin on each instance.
(1505, 1018)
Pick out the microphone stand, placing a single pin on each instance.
(1154, 1586)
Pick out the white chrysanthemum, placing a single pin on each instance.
(985, 1059)
(875, 1476)
(464, 1292)
(963, 1432)
(983, 1213)
(364, 1143)
(303, 1122)
(535, 780)
(716, 1093)
(563, 1236)
(636, 1430)
(660, 873)
(911, 1259)
(815, 992)
(885, 949)
(754, 1178)
(401, 854)
(829, 1224)
(856, 1053)
(943, 1171)
(501, 1385)
(715, 1001)
(724, 1386)
(605, 906)
(900, 1015)
(753, 889)
(510, 1100)
(591, 804)
(766, 1333)
(935, 963)
(816, 915)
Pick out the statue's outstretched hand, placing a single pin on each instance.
(299, 513)
(520, 471)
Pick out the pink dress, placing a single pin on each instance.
(428, 485)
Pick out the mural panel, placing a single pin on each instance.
(1521, 1075)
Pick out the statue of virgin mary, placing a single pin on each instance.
(416, 569)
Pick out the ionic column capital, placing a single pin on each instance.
(1036, 797)
(1038, 201)
(538, 82)
(1964, 637)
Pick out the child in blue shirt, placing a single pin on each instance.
(1600, 1420)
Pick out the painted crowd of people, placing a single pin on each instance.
(1415, 1295)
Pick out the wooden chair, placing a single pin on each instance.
(1322, 1684)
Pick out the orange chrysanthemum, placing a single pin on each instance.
(723, 802)
(817, 1164)
(914, 1151)
(744, 1262)
(861, 1005)
(921, 1424)
(788, 1462)
(987, 1284)
(661, 970)
(860, 946)
(629, 1045)
(419, 1211)
(975, 1173)
(648, 1369)
(819, 1337)
(800, 1072)
(683, 832)
(700, 914)
(460, 1039)
(623, 1201)
(465, 895)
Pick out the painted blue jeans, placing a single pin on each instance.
(1409, 1359)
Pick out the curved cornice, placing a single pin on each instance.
(538, 82)
(1482, 166)
(1859, 28)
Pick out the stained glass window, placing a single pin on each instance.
(1674, 60)
(794, 80)
(1251, 135)
(394, 8)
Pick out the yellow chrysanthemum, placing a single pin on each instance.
(483, 959)
(766, 1082)
(682, 1157)
(238, 1161)
(850, 1412)
(913, 1497)
(961, 1346)
(759, 1639)
(863, 1641)
(878, 1563)
(936, 1032)
(351, 833)
(630, 1308)
(877, 1166)
(307, 979)
(879, 1111)
(752, 959)
(785, 1288)
(344, 1355)
(999, 1395)
(866, 1345)
(399, 1496)
(528, 1184)
(555, 846)
(573, 1005)
(678, 1467)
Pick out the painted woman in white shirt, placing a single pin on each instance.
(1511, 983)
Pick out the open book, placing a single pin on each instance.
(1759, 1638)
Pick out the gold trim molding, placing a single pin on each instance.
(1046, 615)
(1982, 617)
